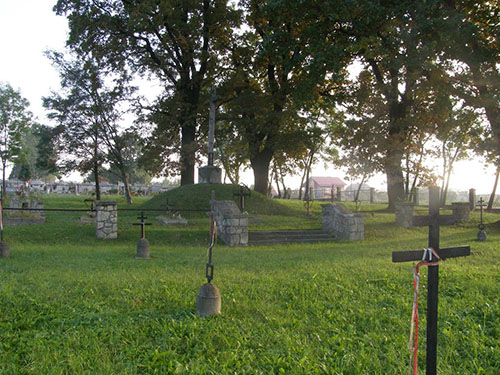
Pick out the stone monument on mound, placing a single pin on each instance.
(210, 174)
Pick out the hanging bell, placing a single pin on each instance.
(208, 300)
(142, 249)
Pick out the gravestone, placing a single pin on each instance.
(33, 214)
(143, 244)
(210, 174)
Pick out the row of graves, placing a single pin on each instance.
(230, 223)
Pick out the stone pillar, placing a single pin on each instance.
(472, 199)
(232, 225)
(345, 225)
(404, 214)
(416, 197)
(106, 220)
(372, 195)
(339, 194)
(461, 212)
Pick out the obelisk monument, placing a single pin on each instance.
(210, 174)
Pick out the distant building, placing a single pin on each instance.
(322, 187)
(37, 186)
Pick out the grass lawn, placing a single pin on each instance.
(73, 304)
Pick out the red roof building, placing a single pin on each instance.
(323, 186)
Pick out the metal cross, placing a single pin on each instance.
(142, 224)
(244, 192)
(433, 221)
(481, 235)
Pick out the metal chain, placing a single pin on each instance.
(209, 270)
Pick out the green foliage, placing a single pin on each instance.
(182, 44)
(14, 120)
(73, 304)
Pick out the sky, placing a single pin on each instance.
(30, 27)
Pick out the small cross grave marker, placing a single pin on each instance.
(433, 221)
(242, 193)
(142, 224)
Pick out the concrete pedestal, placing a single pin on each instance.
(142, 249)
(209, 174)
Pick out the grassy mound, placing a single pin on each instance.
(198, 197)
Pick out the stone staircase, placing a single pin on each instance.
(278, 237)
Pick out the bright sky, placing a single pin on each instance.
(29, 27)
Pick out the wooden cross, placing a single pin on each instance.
(142, 224)
(244, 192)
(433, 221)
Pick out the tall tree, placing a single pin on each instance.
(14, 121)
(275, 77)
(40, 154)
(401, 70)
(91, 110)
(181, 43)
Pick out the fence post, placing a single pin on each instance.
(339, 194)
(106, 220)
(416, 197)
(372, 195)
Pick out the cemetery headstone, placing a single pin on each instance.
(431, 258)
(208, 299)
(143, 243)
(481, 235)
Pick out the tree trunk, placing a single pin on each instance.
(188, 150)
(126, 184)
(96, 177)
(492, 196)
(395, 179)
(260, 165)
(356, 198)
(4, 184)
(277, 181)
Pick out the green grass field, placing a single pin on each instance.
(72, 304)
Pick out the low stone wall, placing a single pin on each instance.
(232, 225)
(461, 212)
(344, 224)
(404, 214)
(18, 221)
(106, 220)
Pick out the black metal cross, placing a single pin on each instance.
(142, 224)
(481, 235)
(244, 192)
(433, 221)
